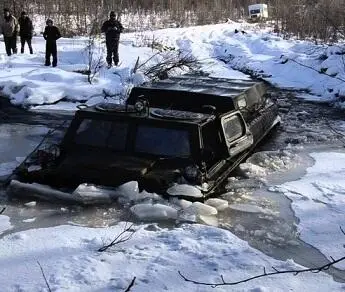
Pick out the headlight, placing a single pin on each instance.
(139, 106)
(191, 172)
(241, 103)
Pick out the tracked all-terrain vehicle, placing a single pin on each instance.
(183, 130)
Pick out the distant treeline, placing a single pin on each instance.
(317, 19)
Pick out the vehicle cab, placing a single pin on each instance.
(186, 130)
(258, 12)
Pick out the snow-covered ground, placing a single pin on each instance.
(69, 258)
(154, 254)
(289, 64)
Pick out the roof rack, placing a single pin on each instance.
(175, 115)
(113, 107)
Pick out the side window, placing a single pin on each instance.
(171, 142)
(93, 133)
(233, 128)
(118, 136)
(103, 134)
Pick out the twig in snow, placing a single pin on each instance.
(309, 67)
(44, 276)
(342, 230)
(130, 285)
(125, 235)
(2, 210)
(264, 274)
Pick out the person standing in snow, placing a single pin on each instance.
(112, 29)
(51, 34)
(26, 31)
(9, 28)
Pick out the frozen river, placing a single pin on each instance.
(256, 214)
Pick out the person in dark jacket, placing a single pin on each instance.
(112, 29)
(9, 28)
(51, 34)
(26, 31)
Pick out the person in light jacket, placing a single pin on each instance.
(9, 28)
(51, 34)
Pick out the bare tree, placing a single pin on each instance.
(317, 19)
(94, 51)
(94, 58)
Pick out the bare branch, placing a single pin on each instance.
(264, 274)
(149, 59)
(44, 276)
(2, 210)
(125, 235)
(130, 285)
(170, 60)
(221, 276)
(342, 230)
(136, 66)
(309, 67)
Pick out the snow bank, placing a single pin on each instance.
(69, 258)
(25, 80)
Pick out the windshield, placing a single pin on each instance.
(254, 11)
(162, 141)
(152, 140)
(103, 134)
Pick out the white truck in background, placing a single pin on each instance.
(258, 12)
